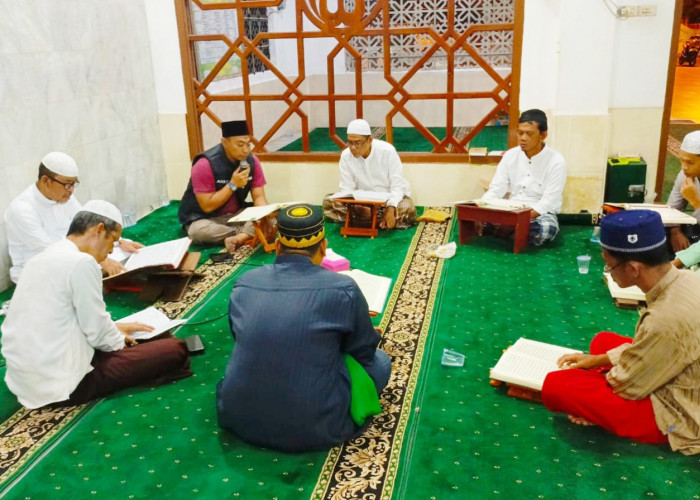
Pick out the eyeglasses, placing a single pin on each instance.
(609, 268)
(66, 185)
(357, 144)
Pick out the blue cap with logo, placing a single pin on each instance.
(632, 231)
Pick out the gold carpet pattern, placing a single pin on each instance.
(212, 274)
(366, 467)
(26, 434)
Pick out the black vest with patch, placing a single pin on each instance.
(223, 169)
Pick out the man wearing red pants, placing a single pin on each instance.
(646, 388)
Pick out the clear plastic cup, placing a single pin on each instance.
(584, 262)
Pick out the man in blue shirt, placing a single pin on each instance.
(287, 385)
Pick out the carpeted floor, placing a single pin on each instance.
(407, 139)
(457, 438)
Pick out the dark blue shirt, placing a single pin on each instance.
(286, 385)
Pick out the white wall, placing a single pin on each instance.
(77, 77)
(602, 81)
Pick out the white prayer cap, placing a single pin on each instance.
(61, 164)
(691, 143)
(105, 209)
(359, 127)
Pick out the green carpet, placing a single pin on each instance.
(406, 139)
(465, 439)
(470, 440)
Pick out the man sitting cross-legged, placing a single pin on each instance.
(287, 385)
(370, 164)
(60, 344)
(646, 388)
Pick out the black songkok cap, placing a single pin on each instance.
(535, 115)
(300, 226)
(234, 128)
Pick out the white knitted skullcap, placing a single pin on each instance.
(61, 164)
(359, 127)
(105, 209)
(691, 143)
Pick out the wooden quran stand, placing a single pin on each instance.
(517, 391)
(265, 233)
(469, 215)
(156, 282)
(349, 230)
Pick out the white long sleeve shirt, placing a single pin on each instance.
(381, 171)
(57, 321)
(33, 223)
(537, 181)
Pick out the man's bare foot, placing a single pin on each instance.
(233, 242)
(504, 231)
(580, 421)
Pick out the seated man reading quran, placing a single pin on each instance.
(301, 334)
(645, 388)
(59, 342)
(535, 174)
(41, 214)
(370, 164)
(220, 182)
(686, 191)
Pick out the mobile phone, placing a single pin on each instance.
(217, 258)
(194, 344)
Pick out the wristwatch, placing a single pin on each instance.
(232, 186)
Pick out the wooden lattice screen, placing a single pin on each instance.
(457, 34)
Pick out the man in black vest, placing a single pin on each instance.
(220, 181)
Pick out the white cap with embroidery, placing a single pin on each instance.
(359, 127)
(105, 209)
(691, 143)
(61, 164)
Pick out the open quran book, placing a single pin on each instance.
(152, 317)
(251, 214)
(527, 362)
(668, 215)
(628, 293)
(495, 204)
(374, 288)
(165, 255)
(362, 195)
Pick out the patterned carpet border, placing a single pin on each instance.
(367, 466)
(27, 434)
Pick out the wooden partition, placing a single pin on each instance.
(396, 41)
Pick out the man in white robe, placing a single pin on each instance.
(41, 214)
(60, 344)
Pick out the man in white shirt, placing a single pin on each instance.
(41, 214)
(535, 174)
(370, 164)
(686, 191)
(60, 344)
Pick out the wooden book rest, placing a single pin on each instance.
(517, 391)
(348, 229)
(157, 282)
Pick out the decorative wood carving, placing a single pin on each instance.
(396, 37)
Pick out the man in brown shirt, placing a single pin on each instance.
(646, 388)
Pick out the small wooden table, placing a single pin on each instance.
(349, 230)
(468, 215)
